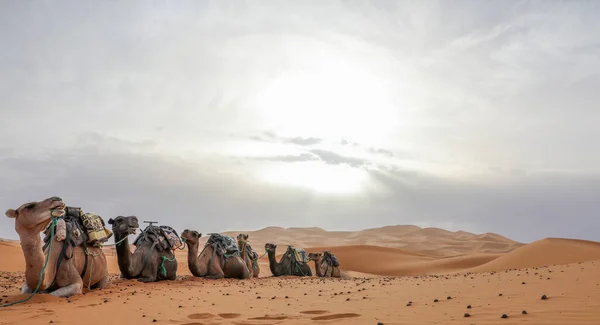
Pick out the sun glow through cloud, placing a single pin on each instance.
(318, 177)
(332, 101)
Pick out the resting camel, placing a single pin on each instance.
(286, 265)
(145, 262)
(30, 220)
(249, 255)
(322, 268)
(209, 264)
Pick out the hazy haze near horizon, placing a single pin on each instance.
(464, 115)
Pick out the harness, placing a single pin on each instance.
(73, 225)
(216, 241)
(153, 233)
(247, 251)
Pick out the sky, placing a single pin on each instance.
(237, 115)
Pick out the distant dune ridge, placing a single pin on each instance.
(431, 241)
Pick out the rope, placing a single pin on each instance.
(117, 243)
(87, 252)
(163, 269)
(53, 221)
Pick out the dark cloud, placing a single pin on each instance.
(381, 152)
(303, 141)
(188, 194)
(288, 158)
(271, 137)
(333, 158)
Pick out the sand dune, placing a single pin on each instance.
(431, 241)
(549, 251)
(367, 296)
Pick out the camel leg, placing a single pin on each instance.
(215, 269)
(25, 288)
(101, 284)
(149, 273)
(70, 290)
(245, 272)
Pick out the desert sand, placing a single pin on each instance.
(393, 276)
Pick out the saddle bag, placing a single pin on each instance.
(94, 226)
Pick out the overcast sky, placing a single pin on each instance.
(237, 115)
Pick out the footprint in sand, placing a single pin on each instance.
(314, 312)
(229, 316)
(201, 316)
(269, 318)
(336, 316)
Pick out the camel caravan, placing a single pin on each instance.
(70, 256)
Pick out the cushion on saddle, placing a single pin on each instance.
(172, 237)
(299, 254)
(225, 244)
(331, 259)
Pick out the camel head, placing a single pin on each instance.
(270, 247)
(35, 216)
(191, 236)
(315, 256)
(242, 238)
(124, 226)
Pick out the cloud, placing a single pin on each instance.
(381, 152)
(333, 158)
(272, 137)
(303, 141)
(288, 158)
(132, 111)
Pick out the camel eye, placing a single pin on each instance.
(30, 206)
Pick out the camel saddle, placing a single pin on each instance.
(83, 228)
(162, 237)
(299, 254)
(225, 244)
(330, 259)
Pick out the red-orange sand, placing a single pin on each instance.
(493, 283)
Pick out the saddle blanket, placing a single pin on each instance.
(225, 244)
(172, 237)
(331, 259)
(299, 254)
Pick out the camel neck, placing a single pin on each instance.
(31, 245)
(318, 266)
(123, 254)
(272, 261)
(193, 260)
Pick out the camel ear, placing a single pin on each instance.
(111, 221)
(246, 236)
(11, 213)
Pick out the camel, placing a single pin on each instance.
(287, 264)
(322, 268)
(209, 263)
(66, 280)
(250, 256)
(146, 263)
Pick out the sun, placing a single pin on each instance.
(318, 177)
(332, 100)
